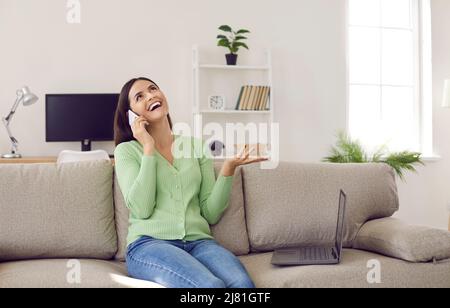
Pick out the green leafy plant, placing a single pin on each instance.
(232, 39)
(351, 151)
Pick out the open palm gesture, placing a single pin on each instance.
(244, 158)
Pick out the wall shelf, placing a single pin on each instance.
(234, 67)
(266, 112)
(215, 79)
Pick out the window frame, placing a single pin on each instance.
(421, 31)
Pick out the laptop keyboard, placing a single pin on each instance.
(314, 253)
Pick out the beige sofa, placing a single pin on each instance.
(65, 226)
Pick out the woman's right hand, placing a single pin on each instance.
(141, 134)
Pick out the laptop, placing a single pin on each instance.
(315, 255)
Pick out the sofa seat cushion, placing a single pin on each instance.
(57, 211)
(62, 273)
(351, 273)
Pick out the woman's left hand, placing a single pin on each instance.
(243, 158)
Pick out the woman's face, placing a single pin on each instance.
(147, 100)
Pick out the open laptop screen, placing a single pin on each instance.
(340, 222)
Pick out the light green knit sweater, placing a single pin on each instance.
(167, 201)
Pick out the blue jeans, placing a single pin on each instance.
(178, 264)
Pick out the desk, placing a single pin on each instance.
(32, 160)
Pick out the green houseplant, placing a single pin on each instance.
(232, 40)
(351, 151)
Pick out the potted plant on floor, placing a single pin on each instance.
(233, 41)
(351, 151)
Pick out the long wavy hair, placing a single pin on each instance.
(122, 128)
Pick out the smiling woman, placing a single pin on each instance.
(122, 128)
(172, 201)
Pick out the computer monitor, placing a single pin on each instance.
(80, 117)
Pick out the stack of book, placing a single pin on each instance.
(254, 98)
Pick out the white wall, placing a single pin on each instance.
(118, 40)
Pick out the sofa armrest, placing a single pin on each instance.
(394, 238)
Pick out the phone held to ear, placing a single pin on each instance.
(132, 117)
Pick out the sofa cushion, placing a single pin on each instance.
(121, 216)
(297, 204)
(392, 237)
(353, 272)
(230, 231)
(65, 273)
(57, 211)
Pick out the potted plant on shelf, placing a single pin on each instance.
(233, 41)
(351, 151)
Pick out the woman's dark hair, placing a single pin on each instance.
(122, 129)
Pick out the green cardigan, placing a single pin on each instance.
(167, 201)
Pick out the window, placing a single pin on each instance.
(389, 50)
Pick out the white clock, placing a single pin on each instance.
(217, 102)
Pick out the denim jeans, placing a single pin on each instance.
(178, 264)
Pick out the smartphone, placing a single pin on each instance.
(132, 117)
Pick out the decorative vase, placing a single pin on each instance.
(231, 59)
